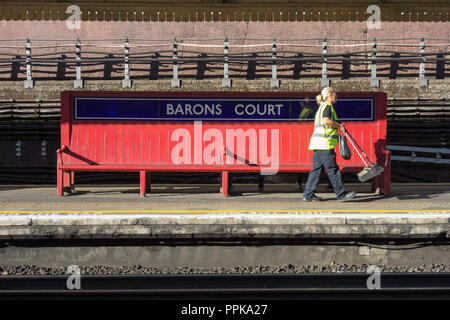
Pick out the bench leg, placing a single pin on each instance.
(260, 182)
(147, 182)
(374, 184)
(382, 183)
(225, 183)
(142, 176)
(72, 180)
(387, 181)
(298, 181)
(59, 182)
(67, 179)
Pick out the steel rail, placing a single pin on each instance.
(235, 286)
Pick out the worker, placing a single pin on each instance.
(323, 141)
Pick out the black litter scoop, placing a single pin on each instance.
(368, 172)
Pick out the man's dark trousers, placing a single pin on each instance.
(324, 159)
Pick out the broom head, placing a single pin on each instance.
(369, 172)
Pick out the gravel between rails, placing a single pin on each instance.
(287, 268)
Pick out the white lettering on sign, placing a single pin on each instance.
(239, 146)
(198, 109)
(260, 109)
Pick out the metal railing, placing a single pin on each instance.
(373, 58)
(438, 152)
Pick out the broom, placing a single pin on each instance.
(368, 172)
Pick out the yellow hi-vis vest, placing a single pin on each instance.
(324, 137)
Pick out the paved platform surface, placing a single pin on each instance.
(180, 211)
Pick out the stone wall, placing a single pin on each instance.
(400, 88)
(281, 29)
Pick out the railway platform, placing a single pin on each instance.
(198, 211)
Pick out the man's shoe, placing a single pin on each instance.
(347, 196)
(313, 198)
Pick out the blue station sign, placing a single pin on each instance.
(215, 109)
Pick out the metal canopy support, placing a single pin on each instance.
(176, 83)
(126, 82)
(422, 81)
(226, 81)
(28, 84)
(78, 83)
(374, 82)
(324, 82)
(274, 82)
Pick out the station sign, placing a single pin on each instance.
(215, 109)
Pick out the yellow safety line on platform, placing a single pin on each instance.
(224, 211)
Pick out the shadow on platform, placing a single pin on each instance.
(420, 193)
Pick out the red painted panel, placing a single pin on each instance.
(91, 143)
(108, 143)
(127, 144)
(99, 145)
(117, 144)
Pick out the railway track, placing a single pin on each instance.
(229, 286)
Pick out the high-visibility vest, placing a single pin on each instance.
(324, 137)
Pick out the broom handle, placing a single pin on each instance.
(354, 143)
(360, 149)
(357, 151)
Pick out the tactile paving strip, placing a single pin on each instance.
(223, 205)
(259, 204)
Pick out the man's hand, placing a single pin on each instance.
(342, 128)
